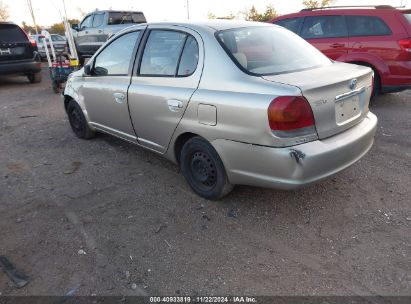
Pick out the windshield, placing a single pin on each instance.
(270, 50)
(408, 17)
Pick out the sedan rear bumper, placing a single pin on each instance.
(297, 166)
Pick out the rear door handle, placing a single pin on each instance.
(119, 97)
(174, 105)
(86, 32)
(337, 45)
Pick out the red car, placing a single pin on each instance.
(378, 37)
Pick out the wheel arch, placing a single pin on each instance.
(179, 143)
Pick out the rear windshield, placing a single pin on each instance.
(270, 50)
(11, 33)
(124, 18)
(408, 17)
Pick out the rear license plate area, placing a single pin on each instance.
(347, 109)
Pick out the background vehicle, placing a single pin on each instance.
(279, 114)
(18, 53)
(59, 43)
(98, 26)
(378, 37)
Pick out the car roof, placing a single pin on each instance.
(7, 22)
(115, 11)
(343, 10)
(216, 25)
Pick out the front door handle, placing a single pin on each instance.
(119, 97)
(86, 32)
(174, 105)
(337, 45)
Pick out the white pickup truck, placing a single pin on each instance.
(98, 26)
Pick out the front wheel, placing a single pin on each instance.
(203, 169)
(34, 77)
(78, 122)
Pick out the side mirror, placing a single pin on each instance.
(75, 27)
(87, 70)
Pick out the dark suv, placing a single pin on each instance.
(18, 53)
(378, 37)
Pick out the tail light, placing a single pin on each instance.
(405, 44)
(32, 41)
(290, 113)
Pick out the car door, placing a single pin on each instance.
(162, 85)
(82, 35)
(329, 34)
(96, 36)
(105, 91)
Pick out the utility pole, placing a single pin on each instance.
(32, 15)
(188, 11)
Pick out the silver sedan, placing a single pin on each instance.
(229, 102)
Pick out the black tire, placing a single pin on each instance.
(34, 77)
(203, 169)
(81, 60)
(377, 85)
(78, 122)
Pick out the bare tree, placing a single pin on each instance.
(4, 12)
(82, 13)
(317, 3)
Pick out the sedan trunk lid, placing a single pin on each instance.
(339, 94)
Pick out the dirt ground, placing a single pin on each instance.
(105, 217)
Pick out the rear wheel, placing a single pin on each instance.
(203, 169)
(78, 122)
(34, 77)
(377, 80)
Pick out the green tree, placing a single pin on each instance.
(4, 12)
(56, 28)
(317, 3)
(253, 15)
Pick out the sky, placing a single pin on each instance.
(48, 12)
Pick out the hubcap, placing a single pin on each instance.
(76, 119)
(203, 170)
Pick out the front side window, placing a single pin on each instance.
(98, 20)
(324, 27)
(162, 52)
(116, 58)
(367, 26)
(87, 22)
(270, 50)
(292, 24)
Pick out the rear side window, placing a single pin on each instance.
(324, 27)
(189, 58)
(367, 26)
(125, 17)
(98, 20)
(408, 17)
(11, 33)
(292, 24)
(162, 53)
(115, 59)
